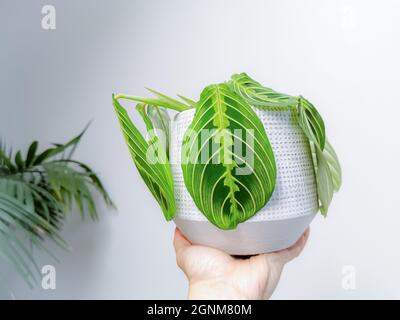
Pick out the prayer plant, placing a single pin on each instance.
(223, 195)
(36, 192)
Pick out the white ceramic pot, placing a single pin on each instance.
(290, 210)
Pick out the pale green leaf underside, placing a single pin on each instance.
(324, 181)
(311, 122)
(334, 166)
(328, 174)
(225, 197)
(157, 176)
(161, 123)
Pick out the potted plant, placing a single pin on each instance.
(243, 169)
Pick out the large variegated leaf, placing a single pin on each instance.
(155, 172)
(311, 122)
(259, 96)
(227, 161)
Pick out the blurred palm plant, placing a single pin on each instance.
(36, 192)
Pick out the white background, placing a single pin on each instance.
(342, 55)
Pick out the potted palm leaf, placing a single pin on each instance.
(244, 168)
(36, 192)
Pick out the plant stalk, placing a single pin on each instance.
(155, 102)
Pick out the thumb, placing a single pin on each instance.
(180, 244)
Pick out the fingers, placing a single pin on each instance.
(294, 251)
(180, 243)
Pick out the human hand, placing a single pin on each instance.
(214, 274)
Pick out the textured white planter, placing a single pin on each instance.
(290, 210)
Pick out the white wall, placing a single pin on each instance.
(342, 55)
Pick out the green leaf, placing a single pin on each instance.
(18, 224)
(157, 175)
(68, 183)
(5, 161)
(190, 102)
(226, 186)
(334, 165)
(324, 179)
(34, 196)
(31, 153)
(23, 258)
(43, 156)
(59, 148)
(161, 123)
(311, 122)
(156, 151)
(94, 180)
(18, 160)
(10, 254)
(161, 101)
(259, 96)
(169, 102)
(19, 213)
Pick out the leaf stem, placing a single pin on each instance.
(156, 102)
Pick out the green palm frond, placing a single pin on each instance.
(36, 192)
